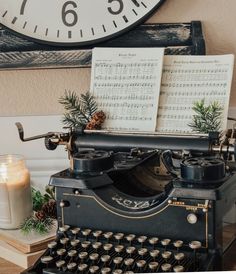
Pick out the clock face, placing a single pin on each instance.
(74, 21)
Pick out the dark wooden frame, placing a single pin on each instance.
(19, 53)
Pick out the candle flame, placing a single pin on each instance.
(3, 173)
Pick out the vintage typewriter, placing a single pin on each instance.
(133, 203)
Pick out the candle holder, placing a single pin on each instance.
(15, 191)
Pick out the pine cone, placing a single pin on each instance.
(50, 209)
(96, 121)
(40, 215)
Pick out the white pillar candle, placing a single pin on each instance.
(15, 191)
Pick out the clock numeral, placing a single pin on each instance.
(69, 13)
(22, 8)
(120, 8)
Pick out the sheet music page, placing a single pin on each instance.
(126, 85)
(187, 79)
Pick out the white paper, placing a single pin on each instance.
(126, 85)
(187, 79)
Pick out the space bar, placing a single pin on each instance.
(53, 271)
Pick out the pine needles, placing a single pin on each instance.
(39, 226)
(79, 110)
(207, 118)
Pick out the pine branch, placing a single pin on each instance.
(39, 226)
(207, 117)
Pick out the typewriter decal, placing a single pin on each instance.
(142, 206)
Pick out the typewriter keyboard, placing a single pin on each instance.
(79, 250)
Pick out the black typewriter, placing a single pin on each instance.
(133, 203)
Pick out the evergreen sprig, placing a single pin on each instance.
(40, 199)
(79, 110)
(207, 117)
(39, 226)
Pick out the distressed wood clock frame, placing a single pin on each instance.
(20, 53)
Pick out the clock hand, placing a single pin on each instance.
(136, 3)
(22, 9)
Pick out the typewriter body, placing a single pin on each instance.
(139, 203)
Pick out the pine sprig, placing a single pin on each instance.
(39, 226)
(79, 110)
(207, 117)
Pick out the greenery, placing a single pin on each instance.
(79, 110)
(207, 117)
(40, 199)
(39, 226)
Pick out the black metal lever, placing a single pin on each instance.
(21, 134)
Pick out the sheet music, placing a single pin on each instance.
(187, 79)
(126, 85)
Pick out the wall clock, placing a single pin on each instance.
(78, 22)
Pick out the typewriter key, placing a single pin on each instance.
(75, 242)
(179, 256)
(142, 239)
(96, 245)
(107, 247)
(46, 259)
(130, 250)
(130, 238)
(153, 265)
(52, 245)
(60, 264)
(83, 255)
(153, 241)
(105, 270)
(165, 242)
(178, 244)
(82, 267)
(86, 232)
(75, 231)
(154, 253)
(117, 260)
(119, 236)
(141, 264)
(64, 228)
(108, 235)
(178, 268)
(72, 253)
(128, 262)
(142, 251)
(105, 258)
(64, 241)
(166, 267)
(71, 266)
(61, 251)
(93, 257)
(93, 269)
(85, 244)
(119, 248)
(128, 272)
(166, 255)
(195, 245)
(117, 271)
(97, 234)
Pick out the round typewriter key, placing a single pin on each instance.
(119, 248)
(82, 267)
(61, 251)
(83, 255)
(72, 253)
(86, 232)
(105, 258)
(117, 260)
(141, 263)
(75, 242)
(128, 262)
(195, 245)
(154, 253)
(165, 242)
(64, 228)
(117, 271)
(166, 267)
(178, 268)
(107, 247)
(93, 256)
(93, 269)
(130, 250)
(178, 244)
(153, 265)
(71, 266)
(105, 270)
(179, 256)
(85, 244)
(64, 241)
(142, 239)
(153, 241)
(60, 264)
(96, 245)
(142, 251)
(46, 259)
(108, 235)
(97, 234)
(52, 245)
(128, 272)
(130, 238)
(75, 231)
(119, 236)
(166, 255)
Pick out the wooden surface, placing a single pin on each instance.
(229, 260)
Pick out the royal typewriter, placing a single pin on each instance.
(138, 203)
